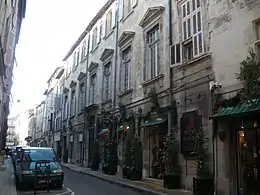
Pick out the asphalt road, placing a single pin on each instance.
(85, 185)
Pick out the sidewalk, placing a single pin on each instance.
(7, 180)
(145, 187)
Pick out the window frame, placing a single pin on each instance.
(122, 70)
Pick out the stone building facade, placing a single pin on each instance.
(179, 51)
(11, 16)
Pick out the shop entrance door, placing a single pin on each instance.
(248, 161)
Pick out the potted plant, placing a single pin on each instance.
(95, 159)
(203, 183)
(136, 166)
(172, 176)
(110, 157)
(127, 158)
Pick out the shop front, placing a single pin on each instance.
(155, 129)
(237, 144)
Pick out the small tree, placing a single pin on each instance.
(250, 75)
(171, 153)
(203, 170)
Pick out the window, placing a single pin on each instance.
(257, 43)
(94, 37)
(176, 54)
(81, 96)
(106, 81)
(125, 70)
(83, 50)
(109, 22)
(125, 7)
(72, 103)
(153, 42)
(92, 89)
(192, 29)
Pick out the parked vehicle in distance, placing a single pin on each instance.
(32, 161)
(16, 155)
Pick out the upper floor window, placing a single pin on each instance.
(73, 103)
(257, 35)
(94, 37)
(106, 81)
(78, 57)
(125, 7)
(125, 70)
(65, 107)
(92, 89)
(109, 21)
(81, 96)
(153, 44)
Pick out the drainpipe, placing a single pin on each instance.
(171, 98)
(85, 105)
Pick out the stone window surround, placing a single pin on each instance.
(125, 41)
(107, 57)
(148, 22)
(73, 86)
(81, 78)
(92, 70)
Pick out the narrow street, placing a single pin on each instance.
(86, 185)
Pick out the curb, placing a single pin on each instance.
(132, 187)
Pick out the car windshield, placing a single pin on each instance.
(38, 155)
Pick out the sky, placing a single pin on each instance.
(48, 31)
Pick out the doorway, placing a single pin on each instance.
(248, 161)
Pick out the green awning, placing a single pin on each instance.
(103, 131)
(244, 107)
(152, 122)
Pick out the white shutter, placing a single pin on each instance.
(133, 3)
(86, 50)
(198, 43)
(90, 41)
(104, 26)
(113, 18)
(120, 9)
(98, 32)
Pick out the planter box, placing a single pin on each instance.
(203, 186)
(172, 181)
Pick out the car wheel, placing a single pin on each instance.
(59, 184)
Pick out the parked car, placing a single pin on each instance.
(16, 155)
(38, 159)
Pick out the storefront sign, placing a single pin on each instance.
(57, 137)
(190, 125)
(80, 137)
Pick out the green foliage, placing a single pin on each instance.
(171, 154)
(110, 154)
(133, 154)
(250, 74)
(203, 170)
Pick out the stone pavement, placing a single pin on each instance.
(7, 180)
(145, 187)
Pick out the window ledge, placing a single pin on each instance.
(161, 76)
(107, 101)
(128, 15)
(71, 117)
(80, 113)
(195, 60)
(108, 34)
(125, 92)
(95, 48)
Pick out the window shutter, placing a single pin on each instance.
(104, 27)
(90, 41)
(86, 49)
(113, 22)
(98, 32)
(133, 3)
(198, 43)
(120, 9)
(130, 74)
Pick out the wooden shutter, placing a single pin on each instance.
(133, 3)
(120, 10)
(90, 41)
(98, 32)
(113, 22)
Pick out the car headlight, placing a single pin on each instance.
(26, 172)
(58, 171)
